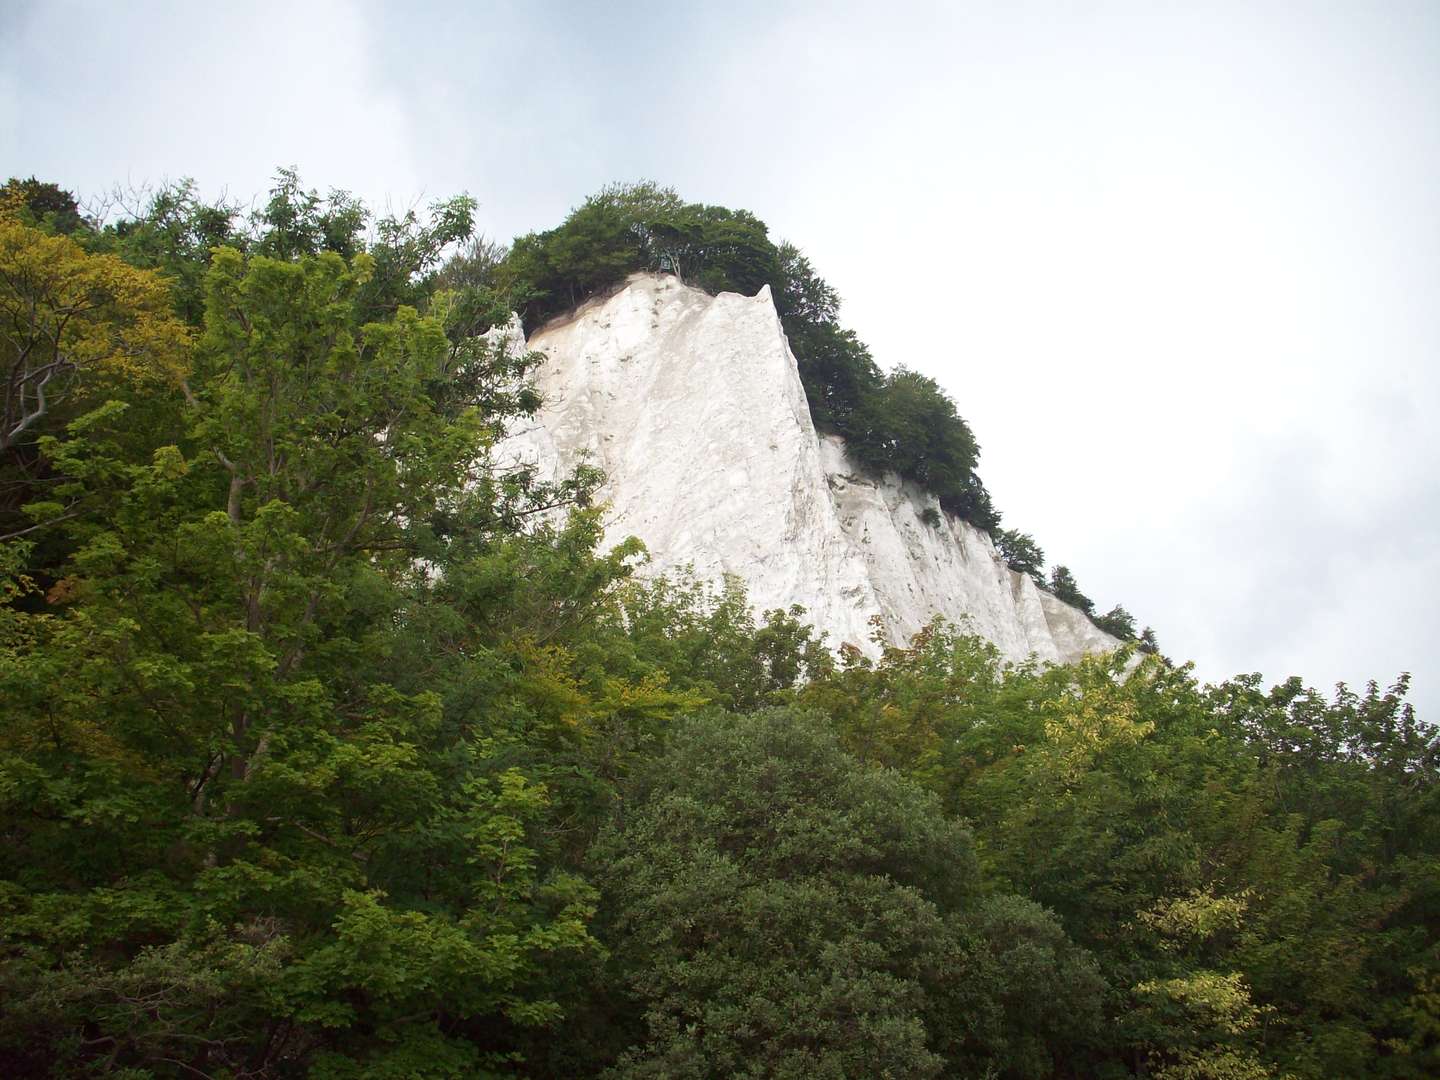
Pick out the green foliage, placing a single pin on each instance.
(1117, 622)
(76, 329)
(48, 206)
(331, 748)
(171, 230)
(910, 426)
(295, 222)
(1021, 553)
(785, 911)
(470, 278)
(708, 641)
(1062, 584)
(1254, 872)
(625, 228)
(235, 836)
(901, 422)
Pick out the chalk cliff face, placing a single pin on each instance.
(692, 406)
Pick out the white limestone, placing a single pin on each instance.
(693, 408)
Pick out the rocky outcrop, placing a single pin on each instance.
(692, 406)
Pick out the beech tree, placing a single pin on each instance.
(1021, 553)
(69, 320)
(76, 329)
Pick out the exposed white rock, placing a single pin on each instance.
(692, 406)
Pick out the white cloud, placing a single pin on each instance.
(130, 93)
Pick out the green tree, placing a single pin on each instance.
(1253, 870)
(1064, 586)
(295, 222)
(1021, 553)
(1117, 622)
(706, 639)
(46, 205)
(172, 231)
(782, 910)
(911, 426)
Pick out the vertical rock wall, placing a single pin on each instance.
(692, 406)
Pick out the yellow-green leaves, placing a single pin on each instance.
(71, 323)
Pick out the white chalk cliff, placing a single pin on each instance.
(692, 406)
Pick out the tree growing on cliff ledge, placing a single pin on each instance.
(1021, 553)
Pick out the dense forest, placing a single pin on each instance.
(330, 748)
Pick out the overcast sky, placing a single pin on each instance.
(1178, 265)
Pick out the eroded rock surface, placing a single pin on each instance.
(692, 406)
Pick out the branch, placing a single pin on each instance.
(41, 406)
(317, 835)
(42, 525)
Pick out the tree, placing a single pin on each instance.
(170, 229)
(1251, 869)
(1021, 553)
(1117, 622)
(783, 910)
(68, 319)
(838, 373)
(47, 205)
(1062, 584)
(625, 228)
(75, 328)
(802, 295)
(706, 639)
(295, 222)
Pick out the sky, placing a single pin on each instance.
(1178, 265)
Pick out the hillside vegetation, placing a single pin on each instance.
(329, 749)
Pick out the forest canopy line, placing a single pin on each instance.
(330, 748)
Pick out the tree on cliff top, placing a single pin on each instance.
(902, 422)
